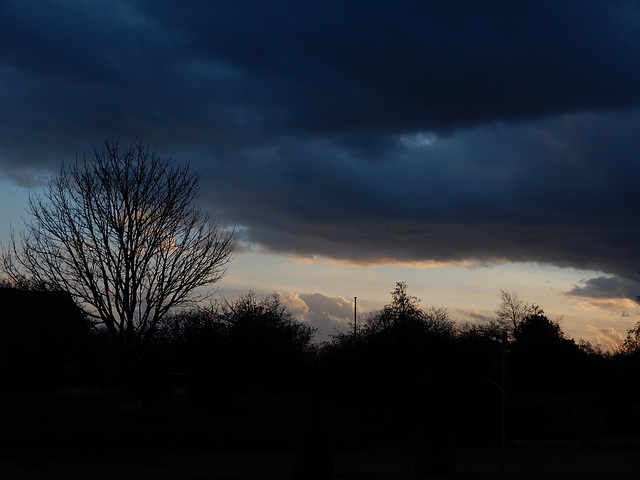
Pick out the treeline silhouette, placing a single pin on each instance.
(248, 372)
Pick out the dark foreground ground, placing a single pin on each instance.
(612, 460)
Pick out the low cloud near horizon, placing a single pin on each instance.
(607, 338)
(330, 315)
(615, 294)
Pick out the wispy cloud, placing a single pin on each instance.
(473, 316)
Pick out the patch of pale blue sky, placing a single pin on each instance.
(13, 199)
(420, 139)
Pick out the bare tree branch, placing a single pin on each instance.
(512, 310)
(121, 234)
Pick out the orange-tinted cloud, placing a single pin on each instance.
(609, 338)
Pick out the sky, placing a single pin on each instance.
(463, 147)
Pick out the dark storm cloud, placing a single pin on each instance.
(560, 191)
(606, 287)
(407, 65)
(360, 131)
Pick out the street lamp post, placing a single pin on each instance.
(355, 334)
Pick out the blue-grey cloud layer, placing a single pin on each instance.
(357, 130)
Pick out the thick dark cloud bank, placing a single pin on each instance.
(361, 131)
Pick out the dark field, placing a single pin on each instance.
(543, 460)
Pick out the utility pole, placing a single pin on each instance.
(504, 401)
(355, 334)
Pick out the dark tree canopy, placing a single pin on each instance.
(246, 345)
(265, 323)
(122, 235)
(404, 317)
(537, 331)
(631, 343)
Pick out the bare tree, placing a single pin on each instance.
(121, 234)
(511, 310)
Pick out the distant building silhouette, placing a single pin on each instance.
(44, 336)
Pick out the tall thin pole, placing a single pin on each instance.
(355, 331)
(355, 318)
(504, 402)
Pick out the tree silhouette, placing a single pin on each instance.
(267, 345)
(537, 331)
(543, 358)
(400, 347)
(123, 236)
(246, 345)
(405, 320)
(402, 313)
(631, 343)
(511, 311)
